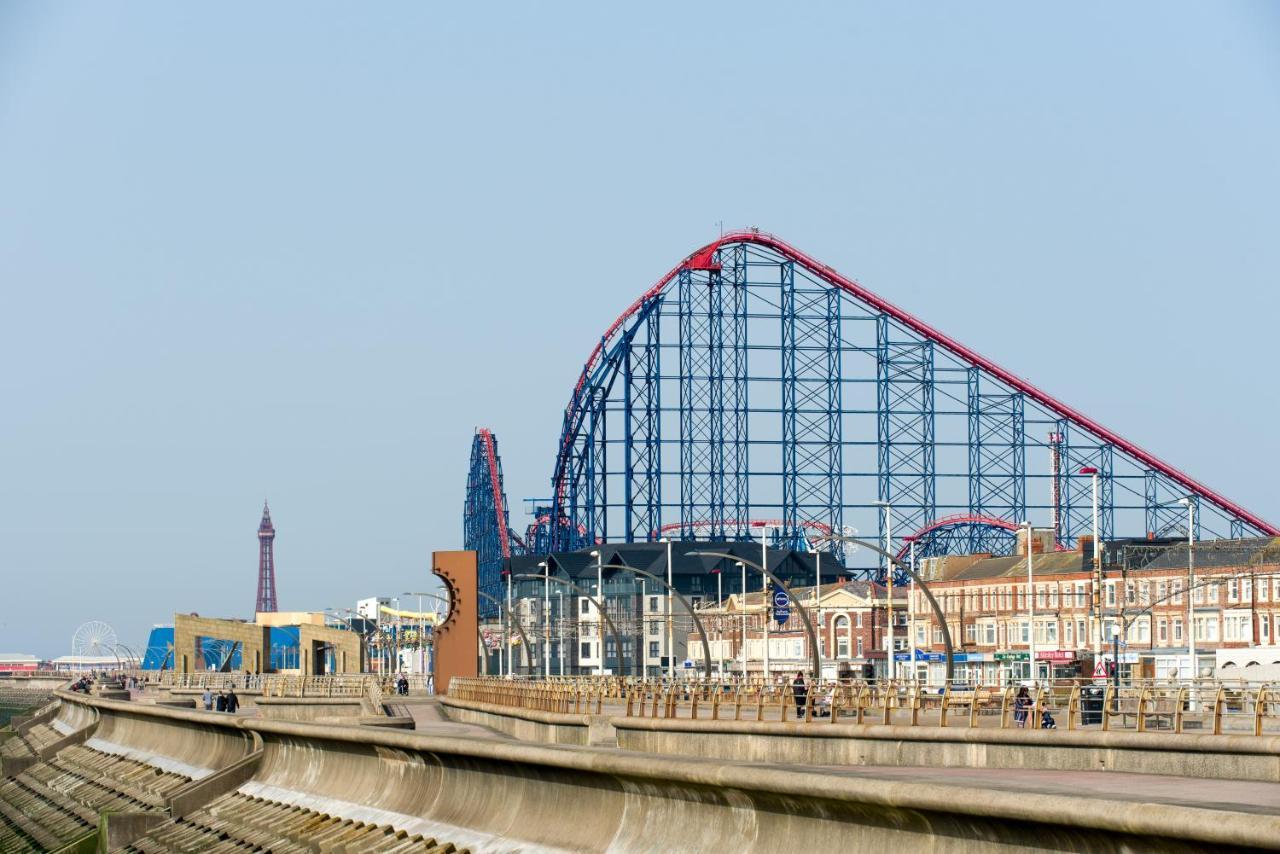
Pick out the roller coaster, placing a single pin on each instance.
(753, 387)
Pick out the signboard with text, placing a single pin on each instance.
(781, 606)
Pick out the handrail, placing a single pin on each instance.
(1148, 707)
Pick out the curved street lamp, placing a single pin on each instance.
(706, 647)
(502, 606)
(804, 614)
(613, 630)
(928, 594)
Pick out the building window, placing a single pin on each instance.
(653, 603)
(1233, 590)
(1206, 628)
(859, 647)
(841, 625)
(653, 628)
(970, 633)
(1177, 629)
(1111, 593)
(653, 649)
(1175, 589)
(1162, 630)
(989, 634)
(857, 618)
(1053, 595)
(586, 649)
(1040, 596)
(1068, 633)
(1079, 594)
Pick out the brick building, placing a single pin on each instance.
(989, 604)
(850, 620)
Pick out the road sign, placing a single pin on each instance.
(781, 606)
(1099, 669)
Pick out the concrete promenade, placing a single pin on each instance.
(460, 780)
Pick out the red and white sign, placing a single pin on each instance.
(1056, 655)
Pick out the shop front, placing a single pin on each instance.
(1012, 665)
(1058, 664)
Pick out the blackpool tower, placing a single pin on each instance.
(266, 563)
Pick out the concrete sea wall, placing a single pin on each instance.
(494, 794)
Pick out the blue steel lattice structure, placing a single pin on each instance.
(754, 382)
(485, 519)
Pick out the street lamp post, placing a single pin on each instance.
(742, 640)
(1190, 504)
(911, 613)
(1097, 570)
(507, 627)
(888, 574)
(1031, 606)
(671, 638)
(719, 622)
(1116, 630)
(595, 553)
(546, 619)
(764, 594)
(817, 603)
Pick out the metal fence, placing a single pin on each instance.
(1203, 707)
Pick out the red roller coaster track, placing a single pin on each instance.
(703, 259)
(495, 483)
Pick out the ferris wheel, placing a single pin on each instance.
(94, 638)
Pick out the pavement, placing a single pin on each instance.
(428, 719)
(1229, 795)
(1234, 796)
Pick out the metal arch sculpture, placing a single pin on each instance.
(485, 519)
(754, 381)
(963, 534)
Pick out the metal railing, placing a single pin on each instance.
(1203, 707)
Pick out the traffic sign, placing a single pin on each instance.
(1099, 669)
(781, 606)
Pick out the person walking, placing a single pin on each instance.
(800, 691)
(208, 700)
(221, 703)
(233, 702)
(1021, 706)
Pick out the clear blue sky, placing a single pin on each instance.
(300, 251)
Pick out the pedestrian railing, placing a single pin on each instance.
(1211, 708)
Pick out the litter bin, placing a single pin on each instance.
(1091, 705)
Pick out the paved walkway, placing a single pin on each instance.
(1230, 795)
(428, 719)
